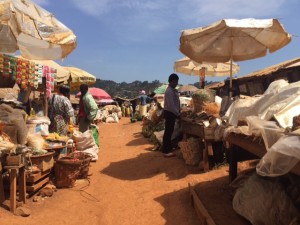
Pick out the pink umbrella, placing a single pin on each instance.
(97, 93)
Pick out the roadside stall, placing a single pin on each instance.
(198, 124)
(265, 130)
(27, 148)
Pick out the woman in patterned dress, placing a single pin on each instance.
(61, 112)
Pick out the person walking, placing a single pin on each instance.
(88, 109)
(61, 112)
(171, 113)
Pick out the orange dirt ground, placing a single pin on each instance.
(129, 185)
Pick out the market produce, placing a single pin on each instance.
(151, 127)
(199, 98)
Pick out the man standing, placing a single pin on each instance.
(87, 109)
(171, 113)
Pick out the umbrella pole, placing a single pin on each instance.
(230, 81)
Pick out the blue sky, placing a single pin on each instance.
(128, 40)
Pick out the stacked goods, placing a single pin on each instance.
(200, 97)
(191, 150)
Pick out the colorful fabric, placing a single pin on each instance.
(60, 112)
(59, 125)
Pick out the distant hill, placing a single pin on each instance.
(129, 90)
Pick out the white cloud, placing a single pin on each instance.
(138, 19)
(203, 11)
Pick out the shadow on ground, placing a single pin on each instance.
(139, 139)
(147, 165)
(178, 208)
(216, 196)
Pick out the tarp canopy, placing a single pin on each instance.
(78, 77)
(34, 31)
(97, 93)
(162, 89)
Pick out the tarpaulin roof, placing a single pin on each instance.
(79, 76)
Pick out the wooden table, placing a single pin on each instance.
(13, 171)
(243, 147)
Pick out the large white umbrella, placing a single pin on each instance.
(190, 67)
(34, 31)
(233, 40)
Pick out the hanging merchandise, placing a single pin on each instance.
(8, 70)
(53, 78)
(13, 67)
(47, 75)
(22, 73)
(39, 73)
(6, 66)
(33, 76)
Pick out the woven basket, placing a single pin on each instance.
(66, 172)
(85, 163)
(191, 151)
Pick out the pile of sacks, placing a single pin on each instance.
(110, 114)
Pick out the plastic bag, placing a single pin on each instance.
(280, 158)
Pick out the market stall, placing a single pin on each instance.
(200, 122)
(28, 151)
(265, 128)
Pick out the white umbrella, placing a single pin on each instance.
(190, 67)
(34, 31)
(233, 40)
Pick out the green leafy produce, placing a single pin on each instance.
(201, 95)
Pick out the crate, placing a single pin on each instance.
(35, 181)
(43, 162)
(13, 160)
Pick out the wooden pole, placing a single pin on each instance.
(45, 97)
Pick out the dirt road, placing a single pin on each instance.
(129, 185)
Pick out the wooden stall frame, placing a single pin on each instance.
(202, 213)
